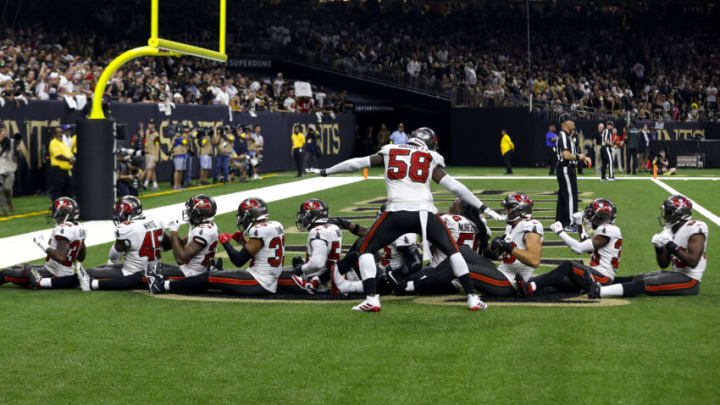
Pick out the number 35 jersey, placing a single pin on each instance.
(205, 235)
(408, 172)
(143, 240)
(267, 263)
(74, 234)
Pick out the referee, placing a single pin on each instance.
(606, 152)
(568, 159)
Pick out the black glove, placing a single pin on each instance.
(323, 173)
(501, 244)
(341, 222)
(673, 248)
(297, 263)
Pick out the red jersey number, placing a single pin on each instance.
(152, 245)
(210, 255)
(279, 246)
(418, 171)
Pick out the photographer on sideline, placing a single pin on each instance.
(151, 141)
(205, 150)
(60, 182)
(192, 152)
(259, 143)
(180, 155)
(127, 182)
(312, 146)
(223, 142)
(8, 166)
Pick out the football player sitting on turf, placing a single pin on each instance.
(683, 242)
(605, 246)
(264, 243)
(467, 227)
(139, 240)
(65, 247)
(521, 249)
(193, 253)
(323, 247)
(401, 255)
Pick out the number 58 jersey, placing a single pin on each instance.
(267, 263)
(143, 240)
(408, 172)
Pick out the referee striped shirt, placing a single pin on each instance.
(606, 137)
(566, 142)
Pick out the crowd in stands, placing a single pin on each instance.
(657, 61)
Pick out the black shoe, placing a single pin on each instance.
(591, 286)
(396, 283)
(523, 287)
(156, 280)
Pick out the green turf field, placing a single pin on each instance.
(126, 347)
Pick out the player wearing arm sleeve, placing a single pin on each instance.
(605, 246)
(682, 243)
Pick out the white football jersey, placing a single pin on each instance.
(267, 264)
(681, 238)
(510, 265)
(392, 256)
(606, 260)
(408, 173)
(143, 240)
(75, 236)
(332, 236)
(205, 235)
(464, 232)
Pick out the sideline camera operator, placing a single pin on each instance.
(8, 166)
(180, 155)
(223, 142)
(60, 182)
(127, 176)
(151, 141)
(203, 137)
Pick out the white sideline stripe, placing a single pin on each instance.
(20, 248)
(697, 207)
(555, 178)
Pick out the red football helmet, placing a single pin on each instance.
(199, 208)
(64, 209)
(127, 207)
(600, 211)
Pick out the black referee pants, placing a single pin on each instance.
(567, 202)
(607, 162)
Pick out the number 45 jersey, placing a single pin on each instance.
(408, 172)
(267, 263)
(143, 240)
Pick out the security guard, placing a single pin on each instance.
(298, 141)
(568, 158)
(62, 160)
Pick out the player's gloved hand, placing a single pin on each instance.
(40, 241)
(224, 238)
(238, 237)
(297, 263)
(578, 218)
(341, 222)
(501, 244)
(319, 172)
(660, 240)
(494, 215)
(584, 235)
(672, 247)
(557, 227)
(173, 226)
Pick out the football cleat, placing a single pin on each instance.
(33, 277)
(592, 287)
(309, 286)
(371, 304)
(523, 287)
(156, 280)
(397, 283)
(83, 277)
(475, 303)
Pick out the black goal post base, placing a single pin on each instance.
(95, 169)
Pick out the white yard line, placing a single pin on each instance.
(20, 248)
(697, 207)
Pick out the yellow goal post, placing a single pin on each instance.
(157, 47)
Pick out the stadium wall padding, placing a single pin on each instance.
(33, 120)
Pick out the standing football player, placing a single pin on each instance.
(605, 246)
(65, 247)
(139, 240)
(683, 242)
(323, 247)
(408, 171)
(193, 253)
